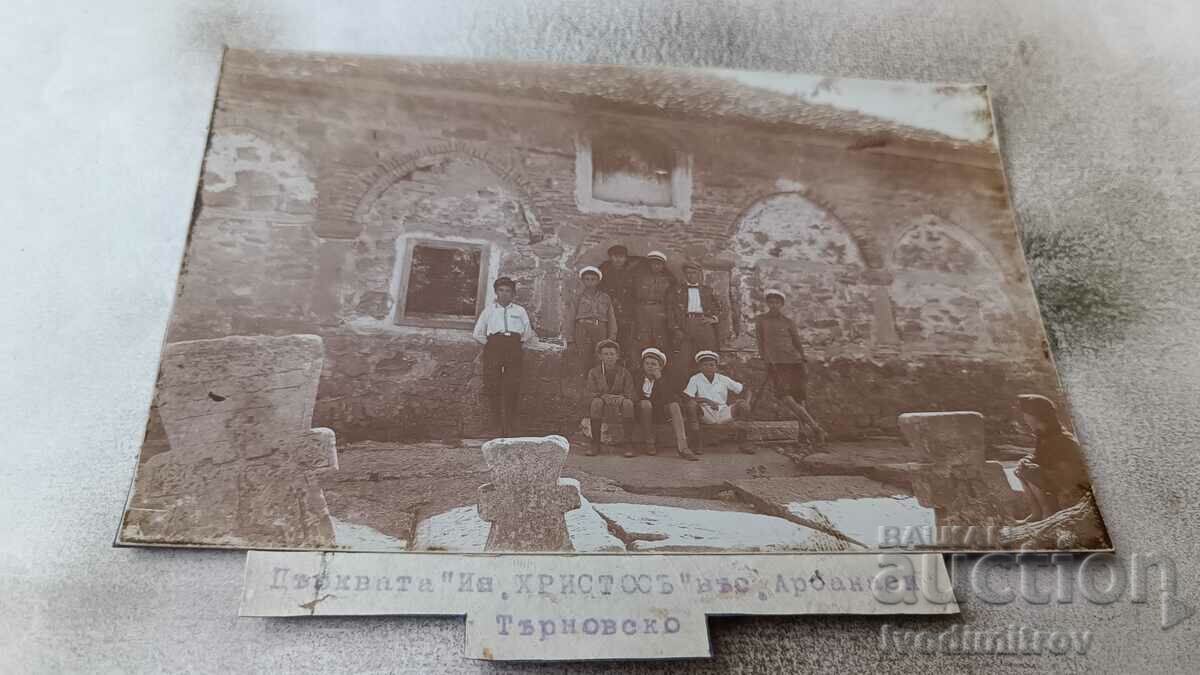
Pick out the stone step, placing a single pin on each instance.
(756, 432)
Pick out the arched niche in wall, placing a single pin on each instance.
(948, 294)
(432, 236)
(790, 242)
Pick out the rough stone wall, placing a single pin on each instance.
(249, 266)
(895, 263)
(856, 396)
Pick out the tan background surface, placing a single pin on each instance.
(102, 133)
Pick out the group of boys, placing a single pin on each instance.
(639, 304)
(622, 303)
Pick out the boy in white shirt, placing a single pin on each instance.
(707, 395)
(503, 328)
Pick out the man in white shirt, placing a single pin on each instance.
(707, 394)
(503, 327)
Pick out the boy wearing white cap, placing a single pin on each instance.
(658, 402)
(652, 291)
(590, 319)
(780, 347)
(708, 397)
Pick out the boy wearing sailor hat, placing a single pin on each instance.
(707, 396)
(780, 347)
(590, 318)
(658, 402)
(652, 292)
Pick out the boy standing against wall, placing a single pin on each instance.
(780, 347)
(652, 291)
(617, 275)
(503, 328)
(590, 319)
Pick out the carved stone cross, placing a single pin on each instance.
(525, 502)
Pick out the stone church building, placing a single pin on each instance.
(374, 205)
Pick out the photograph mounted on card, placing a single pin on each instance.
(520, 307)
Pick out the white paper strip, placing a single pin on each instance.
(552, 607)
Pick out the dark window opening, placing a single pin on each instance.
(443, 283)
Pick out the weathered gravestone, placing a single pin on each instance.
(953, 476)
(237, 412)
(525, 503)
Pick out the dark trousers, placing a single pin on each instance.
(696, 335)
(588, 332)
(625, 338)
(651, 330)
(502, 379)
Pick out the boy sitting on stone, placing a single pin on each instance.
(707, 393)
(658, 402)
(612, 394)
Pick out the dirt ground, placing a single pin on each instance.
(392, 487)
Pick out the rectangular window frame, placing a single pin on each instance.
(400, 317)
(681, 189)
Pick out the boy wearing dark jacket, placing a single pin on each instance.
(612, 395)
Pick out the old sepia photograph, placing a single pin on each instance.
(432, 305)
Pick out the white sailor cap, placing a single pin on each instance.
(706, 354)
(775, 292)
(591, 268)
(656, 255)
(656, 353)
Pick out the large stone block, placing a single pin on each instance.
(946, 438)
(223, 397)
(240, 470)
(969, 496)
(955, 479)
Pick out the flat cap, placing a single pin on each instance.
(608, 343)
